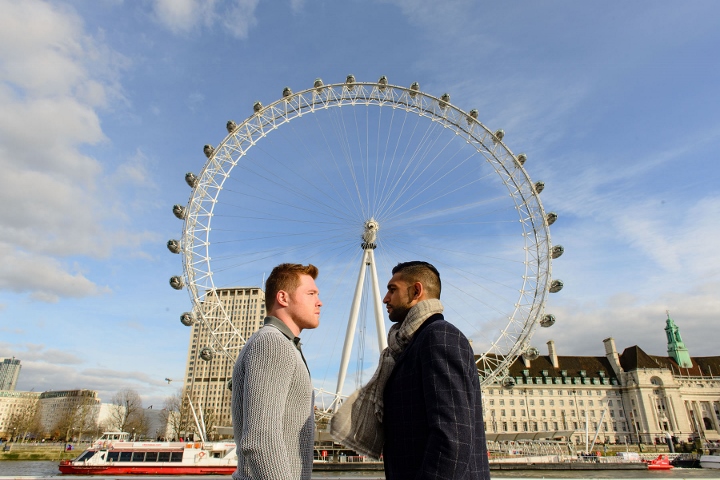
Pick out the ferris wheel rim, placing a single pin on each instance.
(437, 109)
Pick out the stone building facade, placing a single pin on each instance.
(616, 398)
(17, 412)
(69, 410)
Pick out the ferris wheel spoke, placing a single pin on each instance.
(282, 183)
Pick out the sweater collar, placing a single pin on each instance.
(284, 329)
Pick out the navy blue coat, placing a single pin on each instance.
(432, 409)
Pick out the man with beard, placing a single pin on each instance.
(422, 408)
(432, 414)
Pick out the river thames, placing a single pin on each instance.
(42, 469)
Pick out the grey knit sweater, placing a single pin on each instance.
(272, 408)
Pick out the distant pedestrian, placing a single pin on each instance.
(272, 397)
(422, 409)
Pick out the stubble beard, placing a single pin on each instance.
(398, 314)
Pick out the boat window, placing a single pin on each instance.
(151, 456)
(113, 456)
(138, 456)
(85, 456)
(125, 456)
(163, 457)
(176, 457)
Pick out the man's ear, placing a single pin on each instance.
(282, 298)
(419, 289)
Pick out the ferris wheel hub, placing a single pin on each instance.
(369, 235)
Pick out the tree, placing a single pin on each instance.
(25, 420)
(178, 416)
(210, 419)
(80, 418)
(126, 413)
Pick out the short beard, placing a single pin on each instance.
(398, 314)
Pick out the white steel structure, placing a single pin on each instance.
(403, 175)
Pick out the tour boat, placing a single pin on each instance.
(115, 454)
(662, 462)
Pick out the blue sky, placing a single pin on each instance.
(105, 105)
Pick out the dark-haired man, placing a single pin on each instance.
(432, 411)
(272, 397)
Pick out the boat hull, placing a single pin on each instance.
(68, 468)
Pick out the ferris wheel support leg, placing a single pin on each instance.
(379, 320)
(352, 322)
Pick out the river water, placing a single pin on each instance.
(42, 469)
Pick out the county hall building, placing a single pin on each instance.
(627, 396)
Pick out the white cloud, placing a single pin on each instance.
(240, 17)
(181, 15)
(297, 5)
(54, 79)
(237, 17)
(45, 369)
(43, 276)
(582, 325)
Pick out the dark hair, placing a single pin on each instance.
(423, 272)
(285, 276)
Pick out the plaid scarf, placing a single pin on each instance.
(358, 422)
